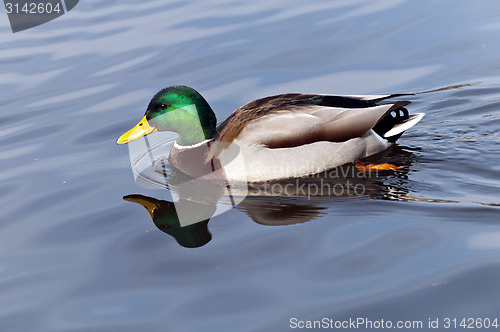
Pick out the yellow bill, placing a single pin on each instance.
(141, 129)
(149, 203)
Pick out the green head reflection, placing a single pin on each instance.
(165, 218)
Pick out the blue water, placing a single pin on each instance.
(422, 242)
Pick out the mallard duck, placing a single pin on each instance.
(282, 136)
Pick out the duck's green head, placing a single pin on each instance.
(180, 109)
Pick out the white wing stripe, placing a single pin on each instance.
(399, 128)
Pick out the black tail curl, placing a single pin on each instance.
(391, 119)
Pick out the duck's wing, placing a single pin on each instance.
(297, 119)
(305, 125)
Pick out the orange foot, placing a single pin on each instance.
(361, 166)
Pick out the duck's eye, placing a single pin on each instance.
(163, 106)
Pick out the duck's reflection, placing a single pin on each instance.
(281, 212)
(165, 217)
(270, 213)
(280, 203)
